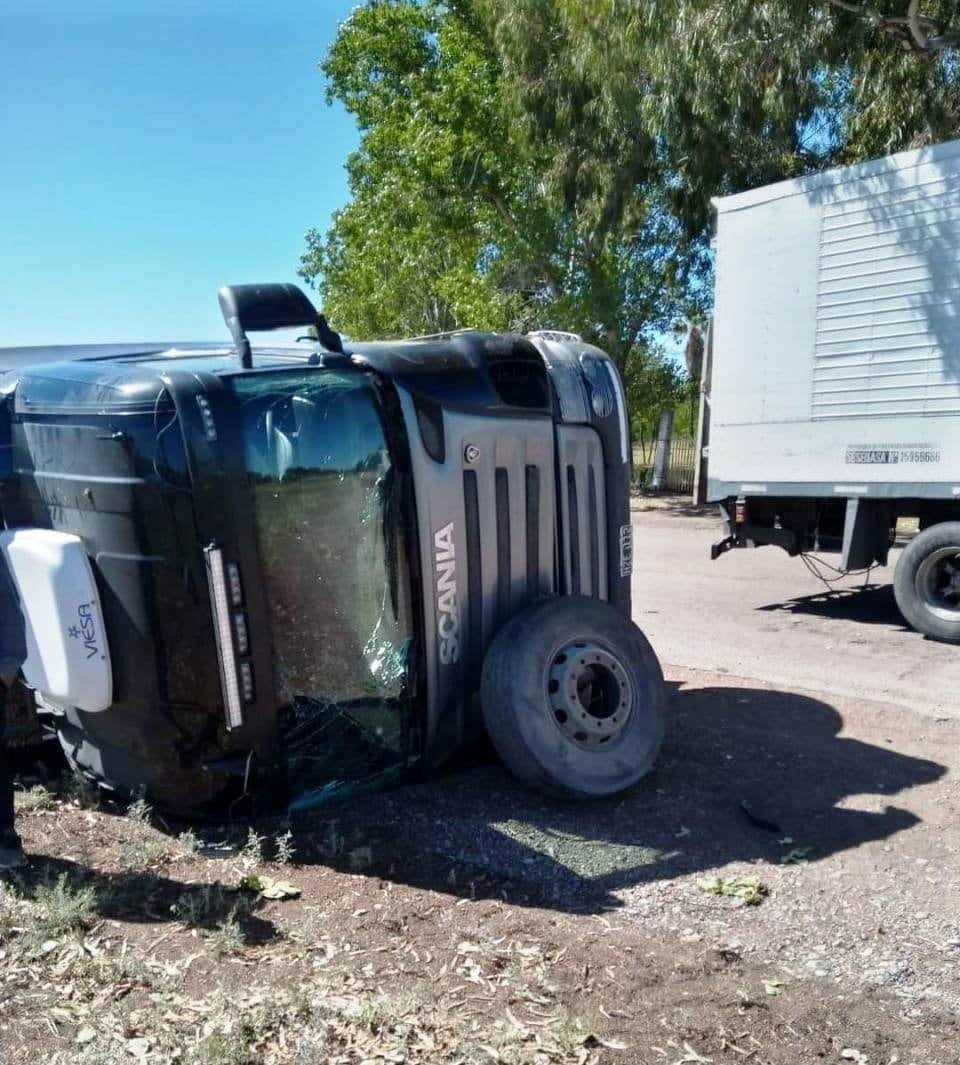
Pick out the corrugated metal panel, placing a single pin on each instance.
(583, 562)
(888, 302)
(821, 187)
(512, 456)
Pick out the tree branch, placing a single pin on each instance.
(913, 21)
(553, 282)
(915, 32)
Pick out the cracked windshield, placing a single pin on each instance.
(326, 501)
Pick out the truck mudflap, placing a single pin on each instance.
(65, 654)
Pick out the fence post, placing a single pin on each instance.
(661, 458)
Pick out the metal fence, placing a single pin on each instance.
(680, 467)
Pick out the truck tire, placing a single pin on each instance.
(927, 582)
(573, 698)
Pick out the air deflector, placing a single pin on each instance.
(255, 308)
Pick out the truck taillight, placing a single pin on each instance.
(740, 511)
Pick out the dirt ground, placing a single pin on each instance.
(781, 889)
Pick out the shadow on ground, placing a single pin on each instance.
(742, 769)
(476, 833)
(873, 605)
(149, 897)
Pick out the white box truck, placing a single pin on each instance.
(833, 395)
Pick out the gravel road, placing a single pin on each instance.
(852, 752)
(761, 614)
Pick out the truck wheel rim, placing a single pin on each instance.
(938, 583)
(590, 695)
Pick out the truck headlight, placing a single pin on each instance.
(606, 395)
(233, 580)
(220, 603)
(243, 637)
(602, 396)
(621, 402)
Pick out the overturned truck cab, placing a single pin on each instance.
(292, 572)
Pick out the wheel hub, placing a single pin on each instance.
(938, 583)
(590, 695)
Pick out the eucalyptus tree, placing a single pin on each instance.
(550, 163)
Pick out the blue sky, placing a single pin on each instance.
(152, 152)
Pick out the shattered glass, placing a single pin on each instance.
(327, 502)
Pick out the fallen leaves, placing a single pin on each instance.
(749, 890)
(268, 888)
(692, 1057)
(797, 856)
(138, 1047)
(86, 1035)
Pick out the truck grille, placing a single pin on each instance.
(511, 534)
(509, 518)
(511, 509)
(583, 548)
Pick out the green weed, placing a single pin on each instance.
(34, 800)
(228, 937)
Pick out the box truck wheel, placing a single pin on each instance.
(927, 582)
(573, 698)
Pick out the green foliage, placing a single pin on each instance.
(58, 909)
(252, 851)
(37, 799)
(267, 888)
(653, 383)
(286, 849)
(228, 937)
(63, 906)
(189, 842)
(550, 163)
(456, 219)
(414, 251)
(80, 791)
(140, 811)
(719, 95)
(750, 890)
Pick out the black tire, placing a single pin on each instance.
(609, 685)
(927, 582)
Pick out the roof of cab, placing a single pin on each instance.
(466, 349)
(209, 357)
(459, 368)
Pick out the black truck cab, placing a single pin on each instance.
(297, 555)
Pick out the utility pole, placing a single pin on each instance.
(661, 457)
(701, 457)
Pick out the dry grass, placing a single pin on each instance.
(115, 1004)
(37, 799)
(109, 997)
(146, 952)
